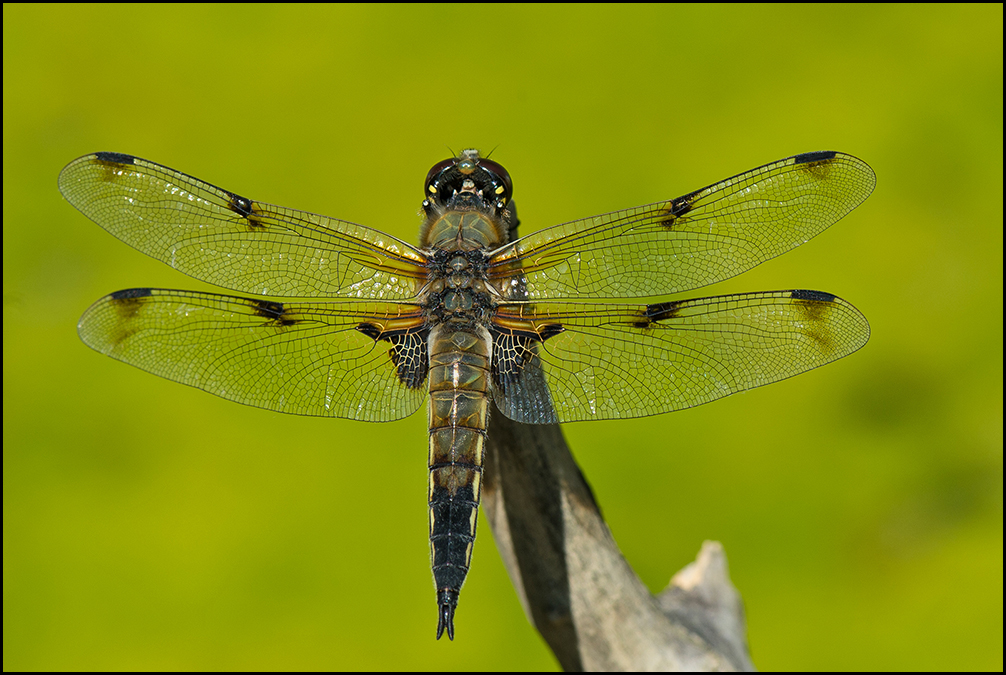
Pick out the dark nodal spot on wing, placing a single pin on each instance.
(678, 208)
(816, 296)
(268, 308)
(274, 311)
(683, 205)
(370, 330)
(662, 311)
(238, 204)
(809, 157)
(114, 158)
(245, 208)
(550, 330)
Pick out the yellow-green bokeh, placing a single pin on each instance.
(150, 526)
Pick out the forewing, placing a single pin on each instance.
(570, 362)
(234, 242)
(363, 361)
(698, 239)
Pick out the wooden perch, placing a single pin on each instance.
(574, 584)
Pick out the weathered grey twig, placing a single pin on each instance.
(574, 584)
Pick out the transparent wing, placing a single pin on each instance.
(570, 362)
(698, 239)
(356, 360)
(234, 242)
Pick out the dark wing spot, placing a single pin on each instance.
(113, 164)
(817, 296)
(815, 306)
(370, 330)
(817, 164)
(550, 330)
(114, 158)
(807, 157)
(245, 208)
(240, 205)
(678, 208)
(130, 293)
(275, 312)
(127, 303)
(662, 311)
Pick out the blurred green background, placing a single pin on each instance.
(148, 525)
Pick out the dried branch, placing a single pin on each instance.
(574, 584)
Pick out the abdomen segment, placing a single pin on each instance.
(459, 418)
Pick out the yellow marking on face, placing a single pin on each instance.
(433, 189)
(500, 190)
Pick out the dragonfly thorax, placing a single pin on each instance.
(457, 290)
(464, 231)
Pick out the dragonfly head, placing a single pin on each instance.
(467, 182)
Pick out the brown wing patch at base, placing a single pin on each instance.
(511, 352)
(410, 356)
(409, 351)
(514, 349)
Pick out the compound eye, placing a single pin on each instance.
(438, 169)
(500, 173)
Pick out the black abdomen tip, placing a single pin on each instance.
(448, 602)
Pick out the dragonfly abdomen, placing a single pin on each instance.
(459, 417)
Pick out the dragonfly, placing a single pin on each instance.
(335, 319)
